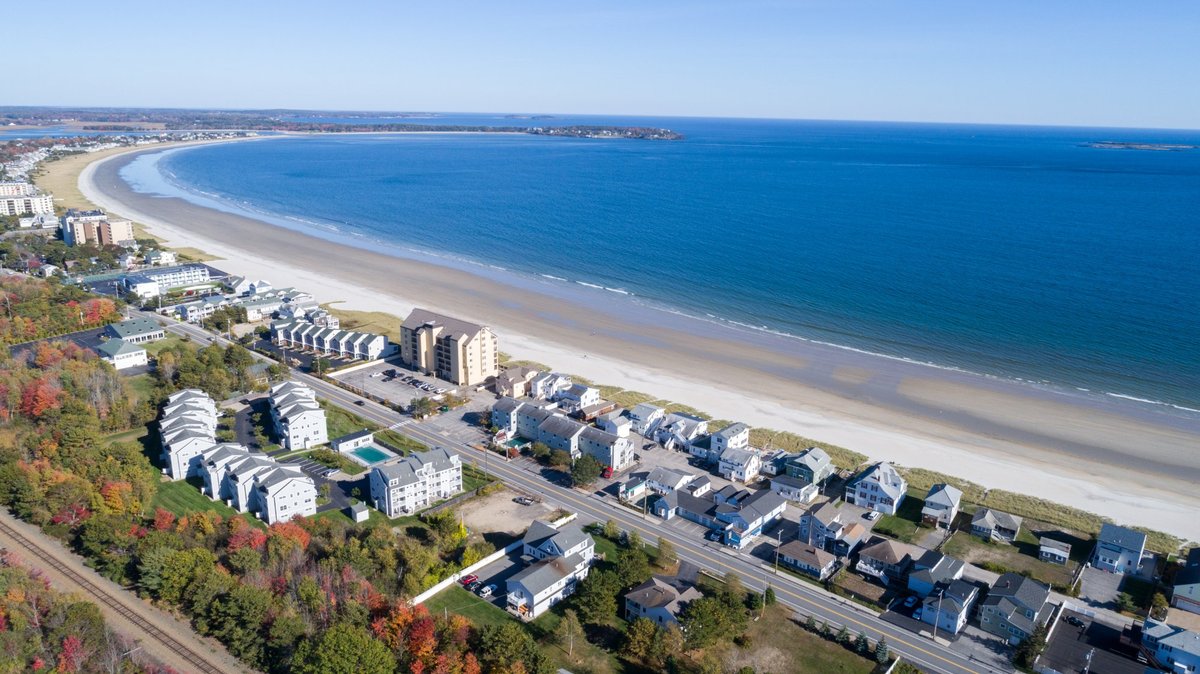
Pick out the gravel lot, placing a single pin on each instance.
(498, 513)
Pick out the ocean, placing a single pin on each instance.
(1016, 252)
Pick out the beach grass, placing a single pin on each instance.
(777, 644)
(921, 480)
(378, 322)
(191, 254)
(845, 459)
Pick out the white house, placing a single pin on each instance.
(610, 450)
(577, 397)
(160, 258)
(807, 558)
(299, 420)
(795, 489)
(615, 422)
(941, 505)
(350, 442)
(1119, 549)
(136, 330)
(1186, 594)
(879, 488)
(252, 482)
(678, 430)
(733, 436)
(664, 480)
(645, 418)
(949, 606)
(561, 558)
(739, 464)
(121, 354)
(528, 420)
(415, 482)
(548, 385)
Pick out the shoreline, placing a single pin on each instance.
(988, 432)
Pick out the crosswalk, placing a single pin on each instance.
(400, 424)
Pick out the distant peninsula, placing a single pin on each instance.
(136, 120)
(1151, 147)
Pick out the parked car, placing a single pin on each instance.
(910, 602)
(467, 580)
(475, 586)
(487, 591)
(873, 515)
(712, 536)
(1073, 621)
(523, 500)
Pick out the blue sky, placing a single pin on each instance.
(1096, 63)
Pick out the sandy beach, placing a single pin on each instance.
(1135, 466)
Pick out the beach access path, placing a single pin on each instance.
(164, 637)
(718, 559)
(1132, 465)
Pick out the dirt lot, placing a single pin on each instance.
(498, 513)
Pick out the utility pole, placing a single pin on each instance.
(1087, 667)
(778, 543)
(938, 615)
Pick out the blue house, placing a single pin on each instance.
(1119, 549)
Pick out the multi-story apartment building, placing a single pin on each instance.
(880, 487)
(455, 350)
(541, 424)
(408, 485)
(24, 198)
(252, 482)
(89, 231)
(186, 429)
(153, 282)
(299, 420)
(561, 559)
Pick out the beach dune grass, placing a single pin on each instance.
(921, 479)
(378, 322)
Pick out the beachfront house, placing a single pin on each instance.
(548, 385)
(660, 600)
(458, 351)
(948, 606)
(415, 482)
(528, 420)
(514, 381)
(577, 397)
(1053, 551)
(880, 488)
(995, 525)
(1171, 648)
(678, 431)
(807, 558)
(557, 559)
(941, 506)
(136, 331)
(812, 465)
(1119, 549)
(645, 418)
(1186, 595)
(1015, 607)
(299, 420)
(615, 422)
(794, 489)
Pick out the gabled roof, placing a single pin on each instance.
(560, 426)
(1177, 638)
(954, 596)
(658, 593)
(885, 476)
(889, 552)
(118, 347)
(1122, 537)
(990, 519)
(643, 410)
(738, 457)
(541, 532)
(671, 476)
(808, 554)
(814, 458)
(1052, 544)
(134, 327)
(732, 430)
(933, 567)
(546, 572)
(1019, 590)
(944, 494)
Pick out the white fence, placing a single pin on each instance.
(447, 582)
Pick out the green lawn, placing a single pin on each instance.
(183, 497)
(474, 478)
(1018, 558)
(457, 600)
(905, 524)
(143, 388)
(779, 644)
(340, 422)
(170, 341)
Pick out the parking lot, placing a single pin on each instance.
(1071, 646)
(394, 382)
(497, 573)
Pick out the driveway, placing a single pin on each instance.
(1099, 588)
(1071, 647)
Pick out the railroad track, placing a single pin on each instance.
(171, 643)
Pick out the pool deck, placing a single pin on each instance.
(353, 455)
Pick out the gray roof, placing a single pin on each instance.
(889, 552)
(944, 494)
(890, 482)
(566, 537)
(1177, 638)
(421, 317)
(134, 327)
(814, 458)
(1013, 593)
(740, 457)
(116, 347)
(507, 405)
(643, 410)
(561, 426)
(731, 430)
(809, 554)
(954, 596)
(658, 593)
(933, 567)
(546, 572)
(1123, 537)
(666, 475)
(990, 519)
(1044, 542)
(354, 436)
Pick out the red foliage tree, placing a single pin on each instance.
(247, 537)
(471, 665)
(164, 519)
(422, 638)
(72, 654)
(40, 396)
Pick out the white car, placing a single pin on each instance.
(487, 591)
(874, 515)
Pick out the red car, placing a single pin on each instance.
(467, 580)
(607, 473)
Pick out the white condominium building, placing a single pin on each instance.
(15, 189)
(35, 204)
(415, 482)
(252, 482)
(299, 420)
(455, 350)
(329, 341)
(187, 428)
(152, 282)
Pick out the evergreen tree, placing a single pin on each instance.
(881, 650)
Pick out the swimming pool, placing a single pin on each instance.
(370, 455)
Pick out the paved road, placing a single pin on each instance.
(797, 595)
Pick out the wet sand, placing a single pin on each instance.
(1137, 465)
